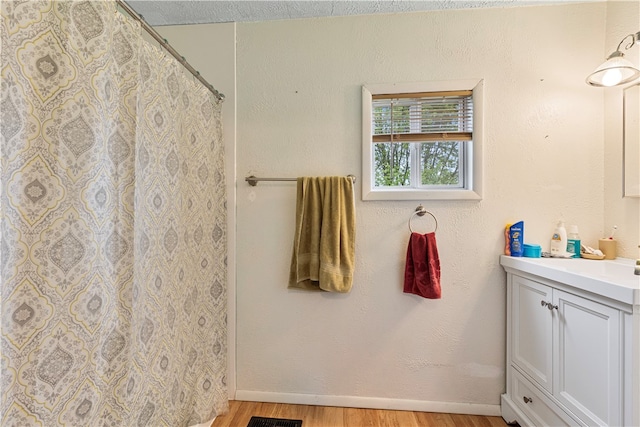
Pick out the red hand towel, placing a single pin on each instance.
(422, 272)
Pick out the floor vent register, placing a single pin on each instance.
(273, 422)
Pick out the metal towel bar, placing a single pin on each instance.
(253, 180)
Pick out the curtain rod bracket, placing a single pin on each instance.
(165, 43)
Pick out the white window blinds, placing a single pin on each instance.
(422, 117)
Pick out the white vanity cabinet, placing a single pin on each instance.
(569, 353)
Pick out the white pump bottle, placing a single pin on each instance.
(559, 241)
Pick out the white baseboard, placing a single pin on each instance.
(369, 402)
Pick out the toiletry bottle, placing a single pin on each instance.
(558, 247)
(507, 239)
(516, 239)
(573, 241)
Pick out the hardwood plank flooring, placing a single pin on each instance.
(328, 416)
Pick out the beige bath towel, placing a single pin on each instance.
(324, 243)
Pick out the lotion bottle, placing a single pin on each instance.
(559, 241)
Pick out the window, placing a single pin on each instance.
(422, 141)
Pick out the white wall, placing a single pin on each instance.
(299, 113)
(623, 17)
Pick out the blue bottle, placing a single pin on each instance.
(573, 241)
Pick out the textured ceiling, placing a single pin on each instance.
(172, 12)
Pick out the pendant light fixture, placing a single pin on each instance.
(616, 70)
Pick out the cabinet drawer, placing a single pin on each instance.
(535, 405)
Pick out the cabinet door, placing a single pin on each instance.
(531, 331)
(588, 369)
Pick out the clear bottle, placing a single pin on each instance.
(573, 241)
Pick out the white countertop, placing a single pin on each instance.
(610, 278)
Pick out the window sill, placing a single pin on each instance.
(412, 194)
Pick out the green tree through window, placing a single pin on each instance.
(392, 164)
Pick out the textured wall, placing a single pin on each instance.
(623, 17)
(299, 113)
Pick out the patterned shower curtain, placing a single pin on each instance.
(112, 234)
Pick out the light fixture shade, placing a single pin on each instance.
(614, 71)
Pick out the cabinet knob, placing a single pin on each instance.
(549, 305)
(527, 399)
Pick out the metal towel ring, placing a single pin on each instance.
(420, 211)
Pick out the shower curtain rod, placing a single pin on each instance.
(165, 44)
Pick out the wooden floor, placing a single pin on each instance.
(325, 416)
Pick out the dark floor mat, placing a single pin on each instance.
(273, 422)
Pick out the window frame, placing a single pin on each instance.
(472, 174)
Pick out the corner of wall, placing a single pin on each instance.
(622, 18)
